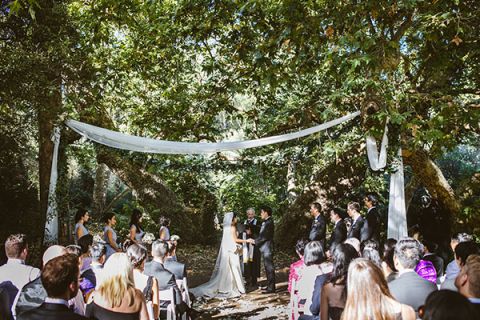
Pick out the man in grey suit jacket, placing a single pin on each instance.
(178, 269)
(409, 288)
(165, 278)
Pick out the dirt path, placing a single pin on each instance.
(254, 305)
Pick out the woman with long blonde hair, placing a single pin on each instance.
(368, 296)
(115, 297)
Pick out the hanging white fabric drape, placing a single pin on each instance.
(133, 143)
(51, 224)
(397, 217)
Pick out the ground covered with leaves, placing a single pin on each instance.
(200, 262)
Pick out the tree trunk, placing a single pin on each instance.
(430, 175)
(102, 176)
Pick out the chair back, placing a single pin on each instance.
(168, 295)
(294, 300)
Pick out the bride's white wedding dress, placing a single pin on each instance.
(226, 280)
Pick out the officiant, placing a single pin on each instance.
(251, 253)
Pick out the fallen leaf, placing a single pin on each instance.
(329, 31)
(457, 40)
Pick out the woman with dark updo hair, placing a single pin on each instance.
(136, 231)
(137, 254)
(109, 235)
(164, 228)
(81, 217)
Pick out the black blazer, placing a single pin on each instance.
(411, 289)
(50, 311)
(265, 238)
(372, 225)
(165, 279)
(318, 230)
(339, 235)
(178, 269)
(356, 229)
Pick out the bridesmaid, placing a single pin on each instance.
(81, 218)
(109, 235)
(164, 231)
(136, 231)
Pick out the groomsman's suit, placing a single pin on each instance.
(252, 269)
(265, 243)
(372, 225)
(318, 230)
(339, 234)
(356, 229)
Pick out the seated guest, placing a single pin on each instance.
(354, 242)
(370, 252)
(98, 254)
(315, 266)
(86, 285)
(409, 288)
(296, 268)
(447, 305)
(334, 292)
(426, 270)
(8, 291)
(137, 254)
(33, 294)
(15, 270)
(165, 279)
(430, 255)
(462, 251)
(85, 243)
(178, 269)
(116, 296)
(452, 268)
(368, 296)
(60, 280)
(388, 266)
(468, 280)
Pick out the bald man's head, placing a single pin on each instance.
(53, 252)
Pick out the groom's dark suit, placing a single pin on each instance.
(265, 243)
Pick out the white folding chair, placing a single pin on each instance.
(183, 286)
(294, 301)
(168, 295)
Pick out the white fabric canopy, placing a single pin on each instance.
(140, 144)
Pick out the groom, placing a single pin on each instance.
(264, 242)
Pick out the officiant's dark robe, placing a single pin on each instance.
(255, 264)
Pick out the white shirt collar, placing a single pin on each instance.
(370, 209)
(56, 301)
(18, 261)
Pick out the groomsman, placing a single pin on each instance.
(339, 233)
(264, 241)
(318, 229)
(252, 255)
(372, 227)
(357, 229)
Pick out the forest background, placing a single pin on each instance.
(205, 71)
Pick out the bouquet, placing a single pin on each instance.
(148, 238)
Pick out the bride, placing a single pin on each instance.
(226, 280)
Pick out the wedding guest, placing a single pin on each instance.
(356, 229)
(370, 252)
(116, 296)
(86, 281)
(81, 218)
(462, 251)
(165, 279)
(354, 242)
(85, 243)
(368, 296)
(60, 280)
(109, 235)
(15, 270)
(452, 269)
(98, 253)
(372, 218)
(137, 254)
(319, 227)
(468, 280)
(447, 305)
(388, 266)
(339, 233)
(430, 255)
(297, 267)
(406, 257)
(178, 269)
(164, 228)
(7, 296)
(315, 265)
(334, 292)
(136, 230)
(426, 270)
